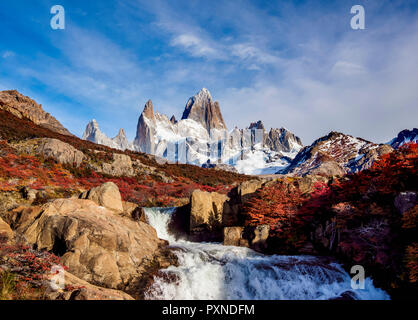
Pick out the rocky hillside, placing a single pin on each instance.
(24, 107)
(336, 154)
(367, 218)
(66, 162)
(66, 201)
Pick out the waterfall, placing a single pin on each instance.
(212, 271)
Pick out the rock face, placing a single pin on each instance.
(260, 152)
(283, 140)
(405, 201)
(24, 107)
(122, 141)
(250, 186)
(307, 183)
(336, 154)
(98, 246)
(233, 236)
(403, 137)
(121, 166)
(86, 291)
(145, 132)
(252, 237)
(206, 213)
(5, 229)
(106, 195)
(203, 110)
(261, 234)
(60, 151)
(92, 133)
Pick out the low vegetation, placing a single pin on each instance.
(33, 171)
(356, 217)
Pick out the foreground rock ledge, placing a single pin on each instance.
(98, 246)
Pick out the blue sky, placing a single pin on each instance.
(296, 64)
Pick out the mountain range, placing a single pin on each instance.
(202, 138)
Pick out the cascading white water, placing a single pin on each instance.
(213, 271)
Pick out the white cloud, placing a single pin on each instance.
(345, 68)
(194, 45)
(248, 52)
(7, 54)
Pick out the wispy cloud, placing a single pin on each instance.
(194, 45)
(7, 54)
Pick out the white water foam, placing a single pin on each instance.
(212, 271)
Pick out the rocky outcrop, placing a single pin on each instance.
(60, 151)
(206, 211)
(5, 229)
(121, 166)
(405, 201)
(405, 136)
(306, 184)
(261, 234)
(254, 237)
(336, 154)
(202, 109)
(368, 156)
(233, 236)
(84, 291)
(95, 244)
(283, 140)
(249, 187)
(220, 166)
(24, 107)
(106, 195)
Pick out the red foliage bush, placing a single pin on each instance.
(370, 228)
(31, 267)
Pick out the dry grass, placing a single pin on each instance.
(7, 285)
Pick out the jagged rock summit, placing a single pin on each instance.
(24, 107)
(92, 133)
(202, 109)
(144, 139)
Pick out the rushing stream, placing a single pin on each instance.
(213, 271)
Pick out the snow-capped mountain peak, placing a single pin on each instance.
(201, 137)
